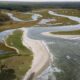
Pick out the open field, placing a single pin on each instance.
(17, 63)
(75, 32)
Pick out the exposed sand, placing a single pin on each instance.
(9, 45)
(41, 59)
(13, 17)
(62, 36)
(45, 21)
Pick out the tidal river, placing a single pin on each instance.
(66, 53)
(66, 60)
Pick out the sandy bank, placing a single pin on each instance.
(41, 59)
(62, 36)
(9, 45)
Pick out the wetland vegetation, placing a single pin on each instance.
(18, 64)
(13, 65)
(75, 32)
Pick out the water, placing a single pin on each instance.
(2, 52)
(4, 34)
(66, 61)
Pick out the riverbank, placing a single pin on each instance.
(41, 59)
(21, 60)
(61, 36)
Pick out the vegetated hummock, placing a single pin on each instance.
(75, 32)
(14, 66)
(22, 15)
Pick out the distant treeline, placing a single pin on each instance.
(15, 7)
(27, 6)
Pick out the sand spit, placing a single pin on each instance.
(70, 37)
(41, 55)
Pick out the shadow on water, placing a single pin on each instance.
(7, 74)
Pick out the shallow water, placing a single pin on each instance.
(3, 36)
(2, 52)
(66, 60)
(66, 53)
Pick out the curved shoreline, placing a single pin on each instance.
(34, 17)
(41, 59)
(10, 46)
(46, 58)
(64, 36)
(70, 37)
(52, 13)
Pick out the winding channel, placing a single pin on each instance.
(53, 51)
(59, 47)
(34, 17)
